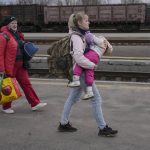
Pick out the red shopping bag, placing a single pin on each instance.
(9, 90)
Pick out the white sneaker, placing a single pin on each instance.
(74, 84)
(8, 111)
(38, 106)
(88, 95)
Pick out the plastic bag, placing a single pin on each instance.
(9, 90)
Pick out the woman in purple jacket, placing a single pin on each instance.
(79, 23)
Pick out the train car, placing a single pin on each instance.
(128, 17)
(122, 15)
(56, 17)
(5, 11)
(147, 17)
(30, 17)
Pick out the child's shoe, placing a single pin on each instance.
(88, 95)
(74, 84)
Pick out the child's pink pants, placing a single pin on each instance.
(89, 73)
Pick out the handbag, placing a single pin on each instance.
(9, 90)
(29, 50)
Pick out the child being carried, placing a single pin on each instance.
(96, 49)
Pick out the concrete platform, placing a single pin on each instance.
(125, 107)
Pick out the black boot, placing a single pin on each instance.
(66, 128)
(107, 131)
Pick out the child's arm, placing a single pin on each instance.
(89, 38)
(100, 41)
(104, 44)
(109, 48)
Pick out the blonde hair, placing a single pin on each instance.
(74, 18)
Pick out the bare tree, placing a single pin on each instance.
(44, 2)
(84, 2)
(130, 1)
(70, 2)
(23, 2)
(59, 3)
(2, 2)
(41, 2)
(91, 2)
(67, 2)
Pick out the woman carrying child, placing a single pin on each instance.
(79, 23)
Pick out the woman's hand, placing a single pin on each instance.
(2, 72)
(105, 44)
(109, 49)
(95, 67)
(21, 43)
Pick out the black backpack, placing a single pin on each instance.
(60, 61)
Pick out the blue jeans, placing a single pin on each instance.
(74, 96)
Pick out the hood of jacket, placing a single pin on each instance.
(4, 28)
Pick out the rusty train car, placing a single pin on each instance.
(29, 16)
(123, 16)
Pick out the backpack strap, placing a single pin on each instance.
(5, 35)
(75, 33)
(1, 81)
